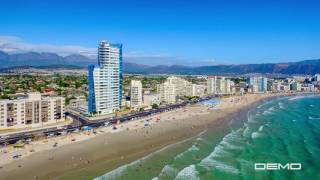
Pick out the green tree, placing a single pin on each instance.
(155, 106)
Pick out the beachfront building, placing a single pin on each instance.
(218, 85)
(223, 85)
(135, 94)
(317, 77)
(295, 86)
(195, 90)
(211, 85)
(150, 99)
(258, 84)
(307, 88)
(167, 93)
(175, 88)
(105, 80)
(180, 85)
(275, 87)
(32, 111)
(284, 87)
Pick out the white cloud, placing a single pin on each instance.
(13, 44)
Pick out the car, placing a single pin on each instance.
(4, 137)
(16, 156)
(50, 135)
(106, 123)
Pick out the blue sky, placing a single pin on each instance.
(167, 32)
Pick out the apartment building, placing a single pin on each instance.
(295, 86)
(218, 85)
(33, 111)
(195, 90)
(180, 85)
(105, 81)
(167, 93)
(211, 85)
(136, 94)
(258, 84)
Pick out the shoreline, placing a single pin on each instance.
(95, 156)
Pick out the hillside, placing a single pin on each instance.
(50, 59)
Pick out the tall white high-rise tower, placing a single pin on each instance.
(105, 81)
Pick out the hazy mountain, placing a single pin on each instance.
(50, 59)
(77, 57)
(302, 67)
(42, 59)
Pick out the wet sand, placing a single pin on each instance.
(96, 156)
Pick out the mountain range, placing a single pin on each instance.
(39, 60)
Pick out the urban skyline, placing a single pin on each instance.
(133, 90)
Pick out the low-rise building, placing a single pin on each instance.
(284, 87)
(150, 99)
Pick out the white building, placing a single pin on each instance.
(167, 92)
(175, 87)
(317, 77)
(136, 94)
(285, 87)
(211, 85)
(276, 86)
(218, 85)
(258, 84)
(195, 90)
(180, 85)
(150, 99)
(307, 87)
(296, 86)
(33, 111)
(105, 81)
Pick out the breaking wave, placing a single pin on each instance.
(189, 173)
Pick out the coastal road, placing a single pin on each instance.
(79, 122)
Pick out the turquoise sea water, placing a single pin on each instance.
(283, 130)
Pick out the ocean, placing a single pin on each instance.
(282, 130)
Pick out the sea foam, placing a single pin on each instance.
(281, 105)
(211, 163)
(192, 148)
(255, 135)
(295, 98)
(310, 117)
(189, 173)
(261, 128)
(168, 170)
(120, 170)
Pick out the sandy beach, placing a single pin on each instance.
(85, 156)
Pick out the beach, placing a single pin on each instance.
(83, 156)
